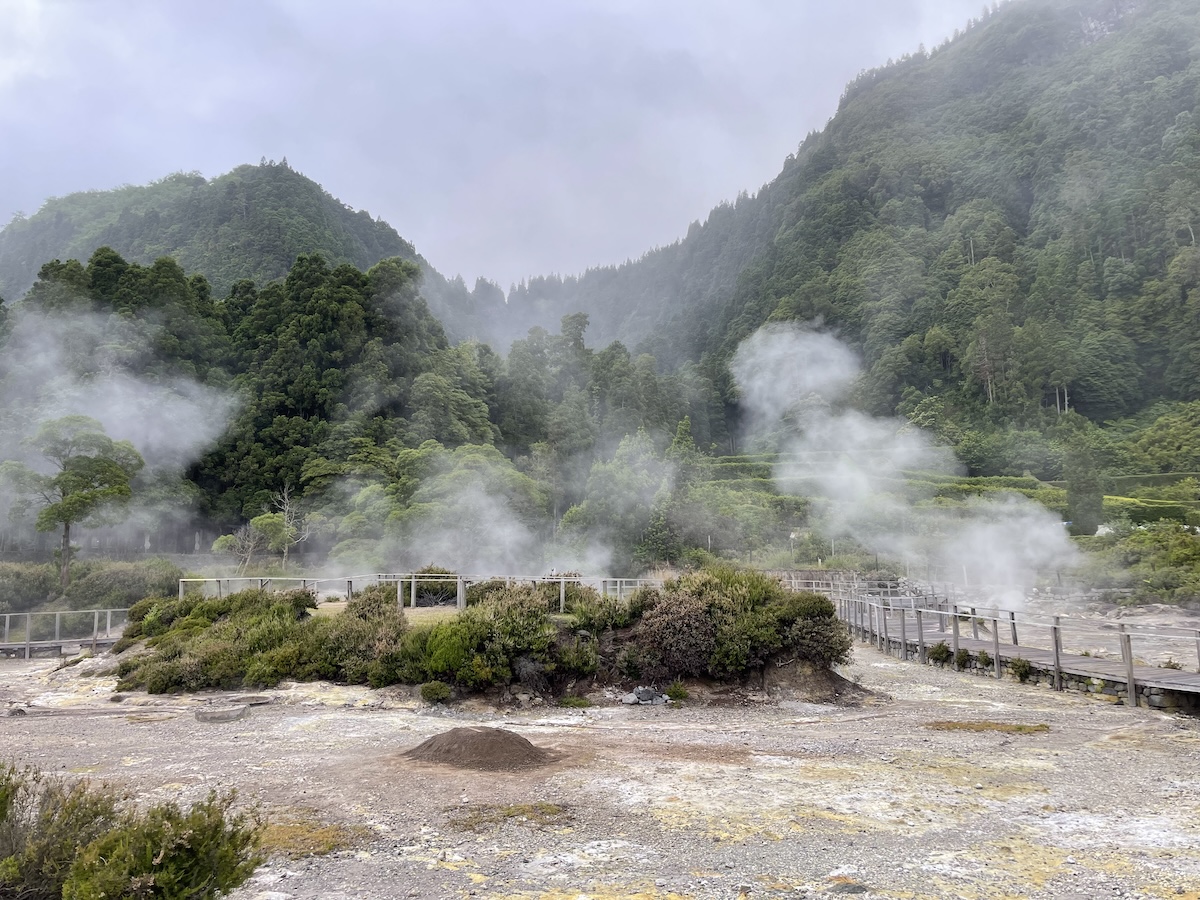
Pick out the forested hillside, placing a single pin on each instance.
(1004, 227)
(1002, 230)
(250, 223)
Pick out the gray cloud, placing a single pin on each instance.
(502, 139)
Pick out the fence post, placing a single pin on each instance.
(28, 632)
(562, 595)
(921, 639)
(996, 648)
(412, 593)
(108, 622)
(1127, 654)
(974, 625)
(349, 590)
(954, 636)
(180, 588)
(903, 633)
(461, 598)
(1056, 645)
(95, 629)
(886, 643)
(1198, 649)
(6, 617)
(58, 627)
(1012, 624)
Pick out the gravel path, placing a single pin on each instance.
(747, 799)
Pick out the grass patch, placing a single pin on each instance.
(485, 815)
(1001, 727)
(300, 833)
(575, 702)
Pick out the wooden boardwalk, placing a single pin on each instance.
(910, 627)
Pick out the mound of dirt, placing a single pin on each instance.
(488, 749)
(803, 681)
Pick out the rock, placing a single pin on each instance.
(222, 713)
(848, 887)
(15, 711)
(645, 694)
(631, 699)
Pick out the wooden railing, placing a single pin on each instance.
(24, 633)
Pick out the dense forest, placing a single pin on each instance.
(1001, 230)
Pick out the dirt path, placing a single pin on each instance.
(755, 800)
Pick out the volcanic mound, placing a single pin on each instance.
(489, 749)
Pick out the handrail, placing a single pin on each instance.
(27, 642)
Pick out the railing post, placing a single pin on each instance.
(58, 627)
(28, 632)
(1056, 645)
(412, 593)
(95, 629)
(996, 647)
(349, 589)
(954, 636)
(108, 622)
(180, 588)
(1198, 649)
(883, 619)
(903, 633)
(6, 616)
(1012, 624)
(1130, 683)
(921, 639)
(562, 595)
(460, 599)
(974, 625)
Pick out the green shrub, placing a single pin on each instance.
(575, 702)
(165, 852)
(111, 585)
(940, 653)
(1022, 668)
(677, 637)
(983, 659)
(435, 692)
(962, 659)
(676, 691)
(823, 642)
(27, 586)
(79, 841)
(578, 656)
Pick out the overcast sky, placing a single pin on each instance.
(504, 139)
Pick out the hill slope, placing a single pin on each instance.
(250, 223)
(1005, 225)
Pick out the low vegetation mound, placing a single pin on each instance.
(721, 623)
(477, 747)
(28, 587)
(62, 840)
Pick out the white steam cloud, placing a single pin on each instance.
(792, 382)
(55, 365)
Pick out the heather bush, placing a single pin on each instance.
(62, 840)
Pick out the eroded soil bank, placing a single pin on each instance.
(751, 798)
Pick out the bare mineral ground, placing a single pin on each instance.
(740, 798)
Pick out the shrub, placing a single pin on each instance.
(26, 586)
(77, 840)
(1022, 668)
(165, 852)
(676, 691)
(940, 653)
(677, 637)
(824, 642)
(575, 702)
(117, 584)
(983, 659)
(435, 692)
(962, 659)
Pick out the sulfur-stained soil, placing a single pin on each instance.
(747, 796)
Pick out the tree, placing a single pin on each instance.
(285, 527)
(89, 484)
(242, 544)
